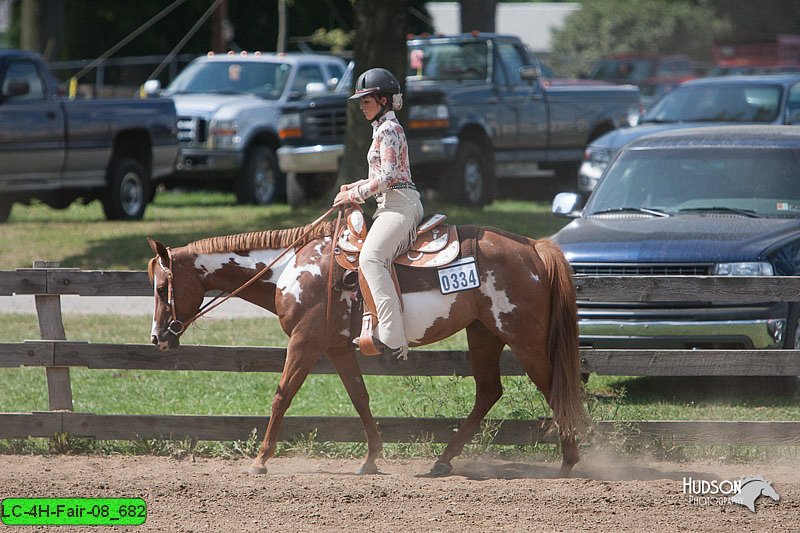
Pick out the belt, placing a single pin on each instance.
(403, 186)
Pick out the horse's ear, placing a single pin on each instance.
(159, 249)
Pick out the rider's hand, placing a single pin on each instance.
(342, 197)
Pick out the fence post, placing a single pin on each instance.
(51, 327)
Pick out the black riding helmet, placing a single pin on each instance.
(376, 81)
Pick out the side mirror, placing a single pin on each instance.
(316, 87)
(17, 87)
(530, 73)
(567, 204)
(152, 88)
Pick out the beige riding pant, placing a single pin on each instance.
(394, 228)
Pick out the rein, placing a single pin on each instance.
(176, 327)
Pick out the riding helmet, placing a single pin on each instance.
(376, 81)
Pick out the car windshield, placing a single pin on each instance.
(260, 78)
(622, 70)
(733, 181)
(717, 103)
(449, 60)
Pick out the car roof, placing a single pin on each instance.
(270, 57)
(779, 79)
(744, 136)
(13, 52)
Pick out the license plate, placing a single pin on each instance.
(459, 276)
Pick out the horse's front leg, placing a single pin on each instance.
(301, 355)
(346, 365)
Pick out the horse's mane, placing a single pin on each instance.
(261, 240)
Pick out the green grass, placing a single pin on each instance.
(80, 237)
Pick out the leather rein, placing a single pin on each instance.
(177, 327)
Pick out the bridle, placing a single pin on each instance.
(177, 327)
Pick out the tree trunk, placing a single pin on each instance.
(478, 15)
(42, 27)
(381, 28)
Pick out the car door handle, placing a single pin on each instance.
(51, 115)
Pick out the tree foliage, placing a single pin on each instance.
(603, 27)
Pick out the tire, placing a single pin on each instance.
(5, 210)
(296, 194)
(260, 181)
(473, 182)
(128, 190)
(791, 341)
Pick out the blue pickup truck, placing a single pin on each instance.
(58, 150)
(479, 110)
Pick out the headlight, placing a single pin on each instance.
(289, 126)
(428, 116)
(743, 269)
(224, 134)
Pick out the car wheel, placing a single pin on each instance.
(260, 181)
(127, 191)
(473, 182)
(791, 341)
(5, 210)
(296, 194)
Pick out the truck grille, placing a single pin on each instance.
(644, 269)
(192, 131)
(325, 124)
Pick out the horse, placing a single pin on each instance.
(526, 301)
(752, 487)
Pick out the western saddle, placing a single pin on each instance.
(436, 245)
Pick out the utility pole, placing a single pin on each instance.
(281, 47)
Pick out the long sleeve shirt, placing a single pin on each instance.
(387, 159)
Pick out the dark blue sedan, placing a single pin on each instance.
(712, 201)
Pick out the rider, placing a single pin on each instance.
(399, 207)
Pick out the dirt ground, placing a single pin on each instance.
(483, 494)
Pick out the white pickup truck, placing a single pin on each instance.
(228, 107)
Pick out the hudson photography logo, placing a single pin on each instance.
(744, 491)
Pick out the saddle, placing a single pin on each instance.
(436, 245)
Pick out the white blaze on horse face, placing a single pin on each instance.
(421, 309)
(500, 302)
(154, 328)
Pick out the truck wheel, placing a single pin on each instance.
(260, 181)
(5, 210)
(127, 192)
(296, 194)
(791, 341)
(473, 182)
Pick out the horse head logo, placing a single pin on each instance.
(752, 488)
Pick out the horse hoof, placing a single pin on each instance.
(565, 472)
(257, 470)
(440, 469)
(367, 469)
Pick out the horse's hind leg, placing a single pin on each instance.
(301, 356)
(485, 349)
(536, 364)
(347, 366)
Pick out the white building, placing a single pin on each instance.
(532, 22)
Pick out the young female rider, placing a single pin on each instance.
(399, 207)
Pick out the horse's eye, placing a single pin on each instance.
(162, 291)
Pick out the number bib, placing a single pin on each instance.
(459, 276)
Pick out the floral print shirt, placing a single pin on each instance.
(387, 159)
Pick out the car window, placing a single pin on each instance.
(448, 60)
(763, 180)
(513, 60)
(335, 70)
(793, 105)
(306, 74)
(23, 71)
(717, 103)
(264, 79)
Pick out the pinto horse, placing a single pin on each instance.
(526, 300)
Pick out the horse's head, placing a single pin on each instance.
(178, 294)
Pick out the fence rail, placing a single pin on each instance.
(57, 355)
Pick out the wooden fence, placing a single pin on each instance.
(57, 355)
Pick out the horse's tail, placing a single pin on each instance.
(569, 412)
